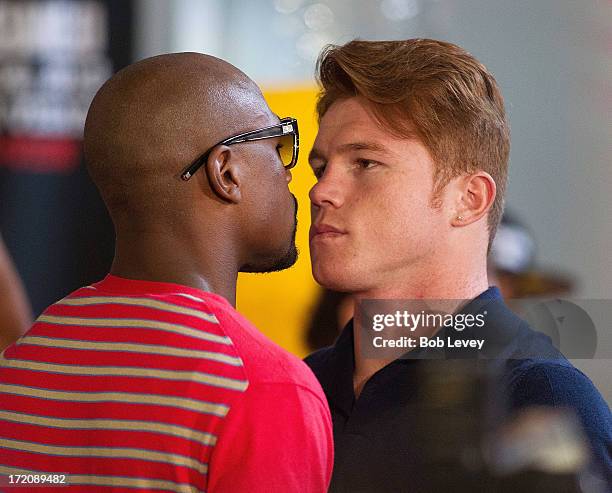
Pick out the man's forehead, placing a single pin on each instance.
(259, 118)
(353, 118)
(352, 121)
(345, 132)
(245, 104)
(352, 135)
(265, 117)
(348, 112)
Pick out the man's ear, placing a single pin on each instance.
(224, 175)
(478, 192)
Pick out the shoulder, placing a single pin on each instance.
(560, 384)
(318, 360)
(264, 361)
(550, 382)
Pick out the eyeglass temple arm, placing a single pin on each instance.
(197, 164)
(188, 173)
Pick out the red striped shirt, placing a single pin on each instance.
(132, 384)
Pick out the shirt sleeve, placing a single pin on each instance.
(277, 437)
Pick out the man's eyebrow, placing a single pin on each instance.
(316, 155)
(363, 146)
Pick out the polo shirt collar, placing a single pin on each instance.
(336, 376)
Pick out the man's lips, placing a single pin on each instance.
(325, 231)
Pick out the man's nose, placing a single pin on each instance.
(326, 192)
(289, 175)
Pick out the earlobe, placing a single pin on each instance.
(223, 175)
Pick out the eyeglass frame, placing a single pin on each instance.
(287, 126)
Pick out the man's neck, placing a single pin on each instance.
(161, 258)
(458, 289)
(434, 287)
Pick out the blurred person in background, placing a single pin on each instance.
(150, 378)
(512, 264)
(15, 311)
(411, 161)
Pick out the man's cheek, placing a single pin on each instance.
(385, 229)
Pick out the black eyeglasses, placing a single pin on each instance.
(288, 144)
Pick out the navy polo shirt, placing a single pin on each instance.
(399, 436)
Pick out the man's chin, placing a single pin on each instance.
(287, 261)
(331, 278)
(280, 263)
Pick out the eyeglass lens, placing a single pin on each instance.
(285, 149)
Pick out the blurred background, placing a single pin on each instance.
(550, 57)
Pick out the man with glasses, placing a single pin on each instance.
(150, 378)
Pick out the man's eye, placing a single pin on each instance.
(318, 171)
(366, 163)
